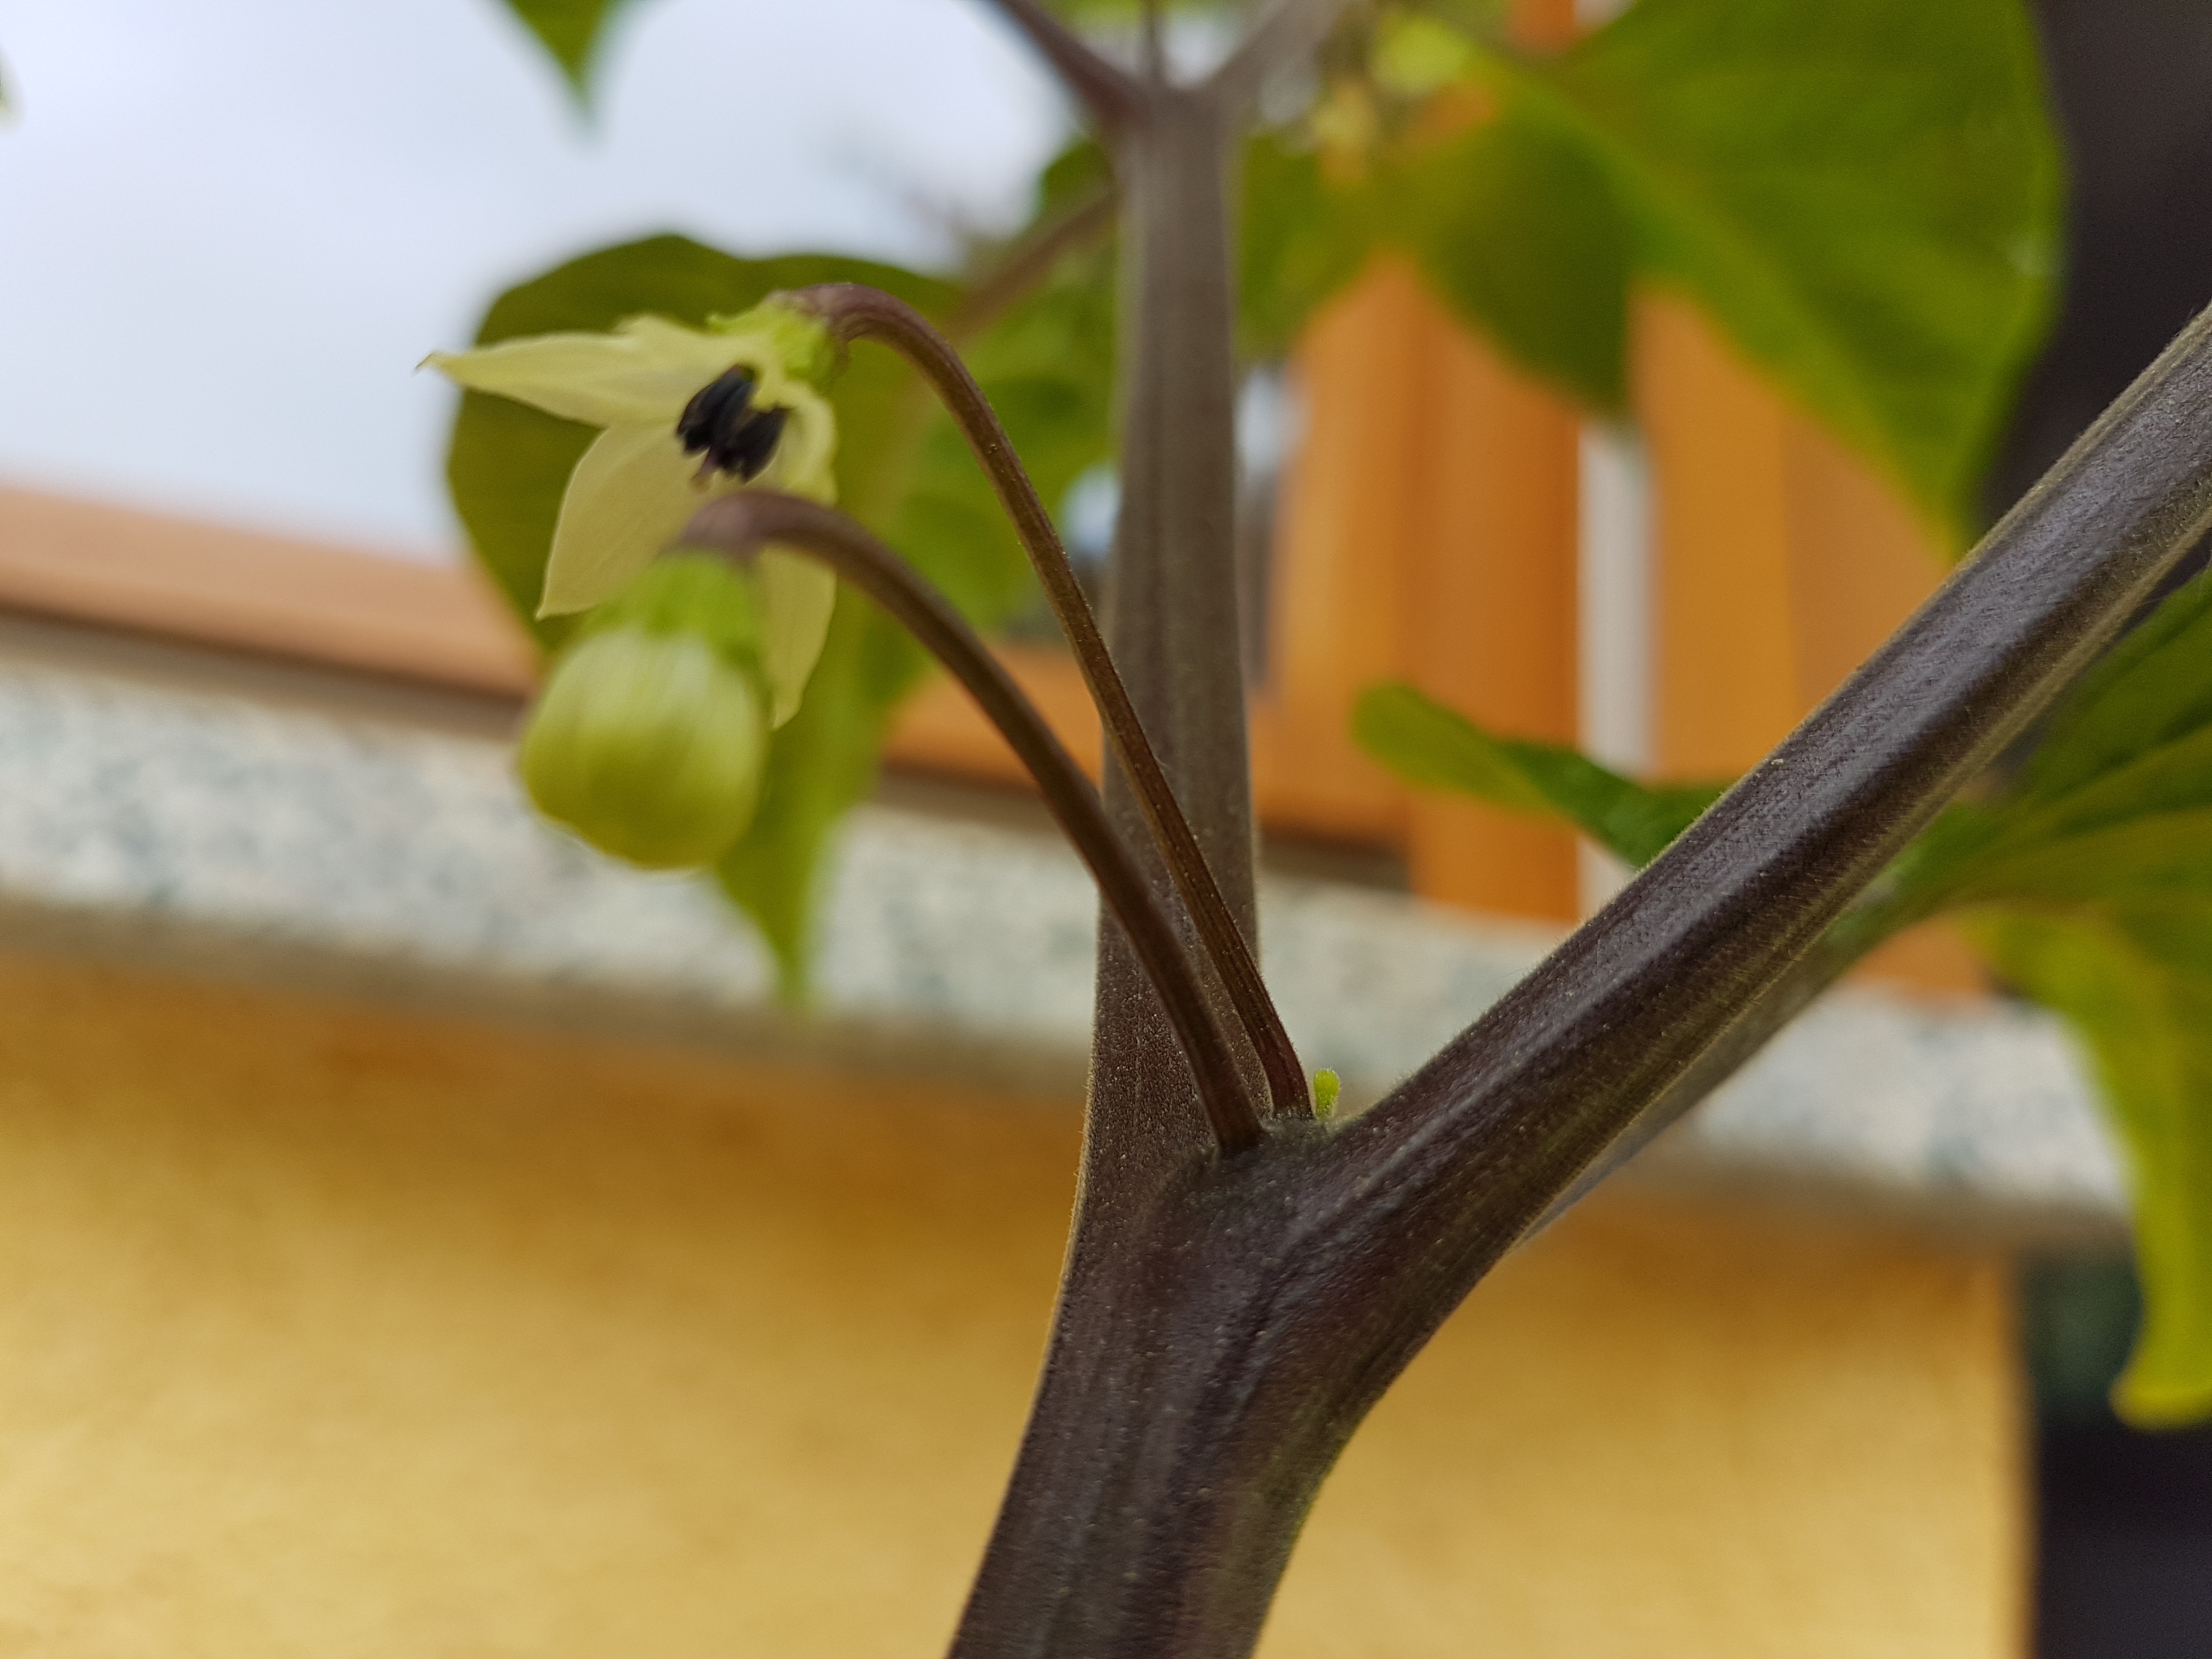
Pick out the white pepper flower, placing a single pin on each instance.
(684, 415)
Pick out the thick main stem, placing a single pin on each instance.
(740, 526)
(855, 312)
(1172, 611)
(1070, 1569)
(1223, 1330)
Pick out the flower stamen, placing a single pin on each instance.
(721, 423)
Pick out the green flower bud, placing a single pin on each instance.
(1327, 1087)
(649, 745)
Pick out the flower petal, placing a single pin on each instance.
(797, 596)
(629, 497)
(646, 371)
(804, 460)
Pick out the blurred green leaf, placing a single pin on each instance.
(572, 30)
(822, 763)
(1302, 239)
(1485, 19)
(2134, 981)
(2150, 693)
(1416, 53)
(1429, 744)
(2116, 800)
(2086, 878)
(1078, 171)
(1516, 225)
(1866, 195)
(2117, 942)
(1047, 365)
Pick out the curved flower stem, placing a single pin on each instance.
(1109, 93)
(741, 525)
(855, 312)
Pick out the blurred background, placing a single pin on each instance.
(229, 231)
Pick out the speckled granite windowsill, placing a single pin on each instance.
(371, 852)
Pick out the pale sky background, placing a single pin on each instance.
(230, 228)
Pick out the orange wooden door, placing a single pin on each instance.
(1782, 560)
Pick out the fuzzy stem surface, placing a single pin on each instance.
(1223, 1328)
(855, 312)
(739, 525)
(1081, 1565)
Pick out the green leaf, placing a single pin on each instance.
(1081, 170)
(1429, 744)
(2157, 850)
(2153, 690)
(2116, 798)
(2086, 878)
(2134, 981)
(1046, 366)
(821, 764)
(572, 30)
(1515, 224)
(1865, 194)
(1302, 239)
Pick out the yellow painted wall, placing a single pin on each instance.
(331, 1331)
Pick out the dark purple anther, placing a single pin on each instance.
(721, 423)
